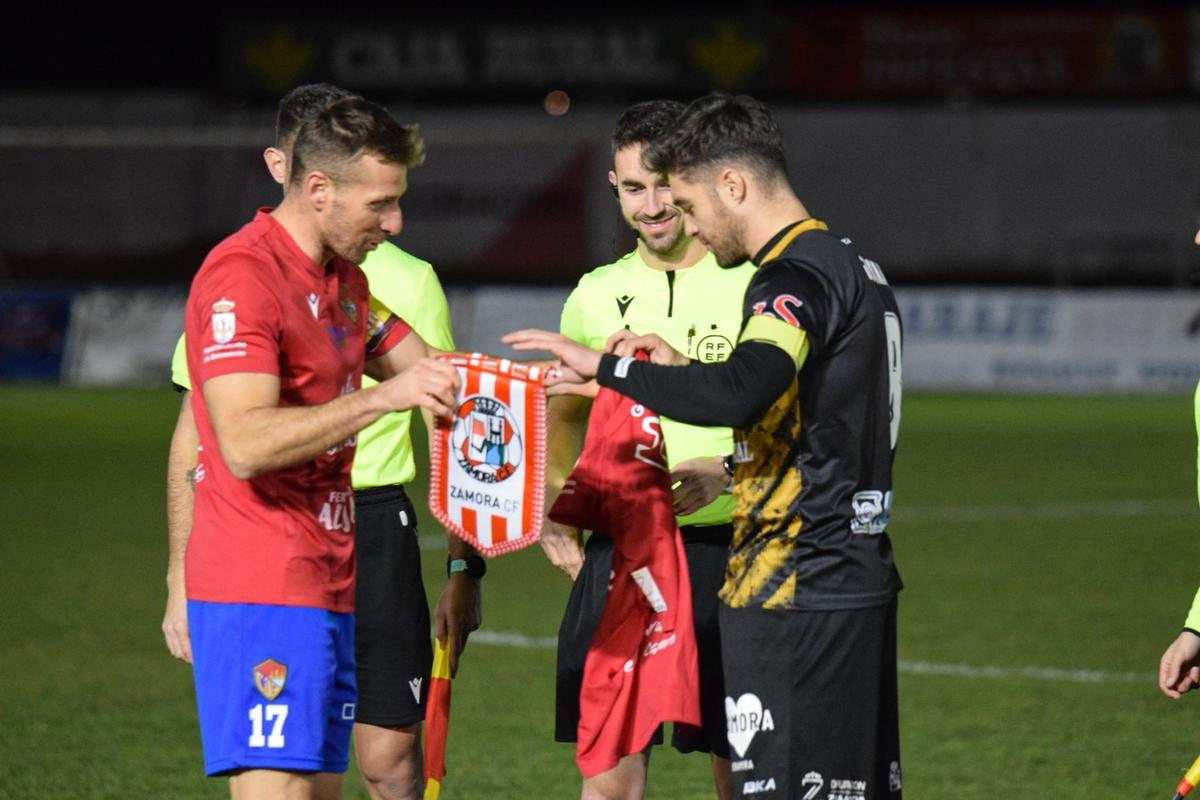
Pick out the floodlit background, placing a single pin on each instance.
(1027, 177)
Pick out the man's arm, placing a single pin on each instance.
(459, 609)
(566, 422)
(407, 353)
(257, 435)
(181, 464)
(734, 393)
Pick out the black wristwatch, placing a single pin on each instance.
(474, 566)
(727, 462)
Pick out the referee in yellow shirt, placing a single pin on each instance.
(670, 285)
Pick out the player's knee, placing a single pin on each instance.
(391, 766)
(379, 765)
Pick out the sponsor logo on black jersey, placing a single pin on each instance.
(759, 786)
(744, 718)
(894, 776)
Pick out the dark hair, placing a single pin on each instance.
(302, 104)
(719, 128)
(349, 129)
(642, 123)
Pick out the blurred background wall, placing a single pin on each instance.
(1027, 176)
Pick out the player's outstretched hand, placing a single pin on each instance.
(429, 383)
(579, 364)
(1179, 669)
(625, 343)
(700, 481)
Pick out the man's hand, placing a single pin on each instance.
(579, 363)
(562, 546)
(459, 612)
(626, 343)
(428, 383)
(700, 481)
(175, 621)
(1179, 669)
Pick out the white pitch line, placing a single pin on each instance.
(522, 641)
(514, 639)
(1024, 511)
(1036, 673)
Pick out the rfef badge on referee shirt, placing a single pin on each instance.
(487, 481)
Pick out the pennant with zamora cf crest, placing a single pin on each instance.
(488, 469)
(437, 719)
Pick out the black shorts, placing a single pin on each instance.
(812, 702)
(392, 645)
(707, 550)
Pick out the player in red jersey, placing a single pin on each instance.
(277, 325)
(392, 619)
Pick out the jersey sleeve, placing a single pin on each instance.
(1196, 406)
(179, 367)
(236, 321)
(734, 393)
(792, 293)
(571, 324)
(430, 317)
(385, 330)
(1193, 617)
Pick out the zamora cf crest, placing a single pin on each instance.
(486, 440)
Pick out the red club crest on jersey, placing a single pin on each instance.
(224, 321)
(269, 678)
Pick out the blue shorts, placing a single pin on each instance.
(274, 686)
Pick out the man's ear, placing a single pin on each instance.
(612, 182)
(276, 164)
(732, 187)
(318, 189)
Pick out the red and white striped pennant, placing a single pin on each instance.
(488, 469)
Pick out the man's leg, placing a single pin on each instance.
(392, 645)
(580, 618)
(817, 717)
(389, 759)
(722, 778)
(707, 549)
(625, 781)
(275, 696)
(270, 784)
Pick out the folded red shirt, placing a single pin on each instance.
(641, 669)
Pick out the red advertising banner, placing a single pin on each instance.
(990, 54)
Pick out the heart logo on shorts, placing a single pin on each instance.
(743, 719)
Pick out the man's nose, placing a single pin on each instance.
(392, 221)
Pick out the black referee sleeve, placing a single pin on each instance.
(734, 393)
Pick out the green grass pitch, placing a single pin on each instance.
(1048, 546)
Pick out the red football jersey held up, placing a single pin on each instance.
(641, 669)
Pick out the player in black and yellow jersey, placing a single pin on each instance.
(808, 624)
